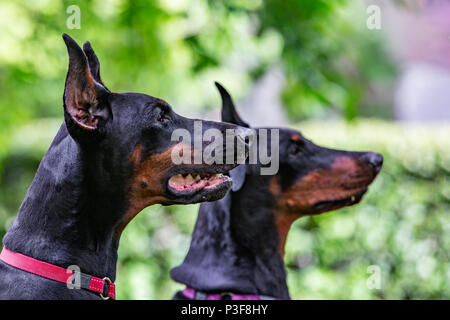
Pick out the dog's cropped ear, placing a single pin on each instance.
(85, 107)
(238, 175)
(229, 113)
(94, 64)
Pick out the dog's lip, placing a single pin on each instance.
(338, 203)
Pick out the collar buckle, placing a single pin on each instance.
(106, 289)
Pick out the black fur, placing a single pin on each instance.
(82, 187)
(235, 245)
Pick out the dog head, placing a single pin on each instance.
(311, 179)
(128, 139)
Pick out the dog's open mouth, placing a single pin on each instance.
(198, 186)
(196, 181)
(339, 203)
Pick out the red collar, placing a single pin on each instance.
(105, 287)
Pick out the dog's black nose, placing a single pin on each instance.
(374, 159)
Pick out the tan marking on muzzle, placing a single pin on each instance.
(345, 177)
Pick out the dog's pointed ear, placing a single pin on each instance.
(229, 113)
(238, 175)
(94, 64)
(85, 107)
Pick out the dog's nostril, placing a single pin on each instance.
(375, 160)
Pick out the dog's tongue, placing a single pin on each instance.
(185, 183)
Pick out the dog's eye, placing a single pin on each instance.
(163, 117)
(295, 150)
(296, 147)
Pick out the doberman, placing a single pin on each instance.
(110, 159)
(238, 242)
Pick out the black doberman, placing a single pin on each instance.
(238, 241)
(110, 159)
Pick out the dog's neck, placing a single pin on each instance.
(67, 217)
(235, 247)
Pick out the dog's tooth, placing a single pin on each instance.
(218, 175)
(189, 179)
(353, 198)
(176, 180)
(197, 177)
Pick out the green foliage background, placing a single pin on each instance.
(175, 50)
